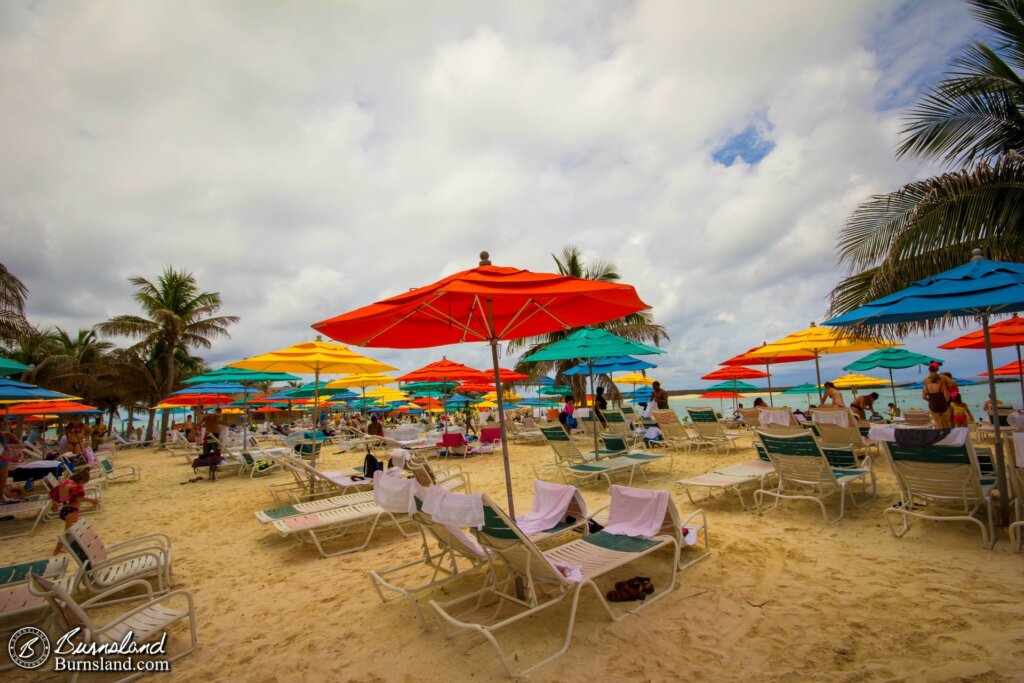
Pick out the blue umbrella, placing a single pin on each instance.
(980, 288)
(12, 391)
(544, 382)
(613, 364)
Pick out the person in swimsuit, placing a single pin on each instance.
(659, 396)
(962, 416)
(862, 404)
(600, 405)
(69, 495)
(834, 395)
(75, 436)
(936, 393)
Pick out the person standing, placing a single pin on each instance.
(600, 405)
(75, 436)
(98, 432)
(834, 395)
(862, 404)
(936, 393)
(659, 396)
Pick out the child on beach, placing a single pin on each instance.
(69, 495)
(962, 416)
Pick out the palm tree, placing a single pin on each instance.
(639, 327)
(973, 122)
(12, 304)
(178, 317)
(75, 364)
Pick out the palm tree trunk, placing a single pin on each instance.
(149, 427)
(168, 388)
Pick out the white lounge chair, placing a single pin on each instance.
(732, 477)
(102, 567)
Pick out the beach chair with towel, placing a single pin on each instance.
(640, 523)
(733, 477)
(939, 478)
(710, 431)
(805, 473)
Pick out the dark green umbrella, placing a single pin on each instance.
(12, 367)
(890, 359)
(590, 344)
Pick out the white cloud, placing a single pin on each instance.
(308, 158)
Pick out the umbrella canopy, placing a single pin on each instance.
(460, 400)
(746, 358)
(634, 378)
(360, 380)
(316, 357)
(980, 288)
(806, 389)
(217, 388)
(511, 376)
(892, 359)
(12, 367)
(487, 304)
(590, 343)
(733, 386)
(475, 387)
(429, 386)
(1011, 368)
(445, 370)
(736, 372)
(229, 374)
(606, 366)
(12, 391)
(51, 408)
(537, 403)
(1004, 333)
(641, 395)
(197, 400)
(818, 341)
(720, 394)
(543, 382)
(509, 396)
(486, 405)
(555, 390)
(854, 381)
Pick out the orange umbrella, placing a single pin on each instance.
(444, 370)
(736, 372)
(1009, 332)
(485, 304)
(475, 388)
(746, 359)
(197, 400)
(48, 407)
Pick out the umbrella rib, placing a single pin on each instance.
(515, 322)
(400, 320)
(444, 317)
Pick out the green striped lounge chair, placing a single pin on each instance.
(710, 431)
(565, 449)
(805, 473)
(674, 433)
(618, 424)
(733, 478)
(941, 483)
(15, 598)
(1015, 473)
(599, 556)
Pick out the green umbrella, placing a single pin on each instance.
(12, 367)
(429, 386)
(240, 375)
(806, 389)
(734, 386)
(890, 359)
(554, 391)
(590, 344)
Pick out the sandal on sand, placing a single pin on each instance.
(626, 591)
(645, 584)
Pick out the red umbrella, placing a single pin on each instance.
(48, 408)
(1011, 368)
(1009, 332)
(745, 359)
(475, 388)
(443, 370)
(485, 304)
(198, 400)
(736, 372)
(511, 376)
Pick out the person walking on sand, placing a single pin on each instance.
(67, 498)
(659, 396)
(962, 416)
(834, 395)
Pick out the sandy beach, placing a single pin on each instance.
(782, 597)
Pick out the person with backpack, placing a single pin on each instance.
(66, 499)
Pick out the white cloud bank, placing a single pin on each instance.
(307, 158)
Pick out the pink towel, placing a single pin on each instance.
(550, 503)
(636, 512)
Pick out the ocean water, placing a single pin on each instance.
(974, 396)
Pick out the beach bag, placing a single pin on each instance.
(571, 422)
(371, 465)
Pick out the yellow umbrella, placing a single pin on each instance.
(819, 341)
(314, 357)
(361, 380)
(506, 396)
(388, 392)
(853, 381)
(487, 404)
(634, 378)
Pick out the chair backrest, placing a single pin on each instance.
(936, 472)
(454, 439)
(69, 614)
(565, 450)
(614, 442)
(705, 415)
(17, 573)
(529, 425)
(761, 452)
(706, 423)
(107, 467)
(836, 434)
(917, 417)
(797, 458)
(490, 434)
(840, 456)
(85, 543)
(445, 535)
(751, 416)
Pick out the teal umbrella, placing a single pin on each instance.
(891, 359)
(429, 386)
(734, 386)
(806, 389)
(240, 375)
(554, 391)
(590, 344)
(12, 367)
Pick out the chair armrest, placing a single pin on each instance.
(163, 540)
(156, 601)
(117, 589)
(159, 553)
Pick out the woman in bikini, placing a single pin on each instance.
(936, 393)
(69, 495)
(75, 436)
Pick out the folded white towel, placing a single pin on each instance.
(636, 512)
(457, 509)
(840, 418)
(394, 494)
(771, 416)
(550, 502)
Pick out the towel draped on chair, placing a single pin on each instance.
(550, 502)
(636, 512)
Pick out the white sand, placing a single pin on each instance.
(783, 597)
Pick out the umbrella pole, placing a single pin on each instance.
(593, 406)
(1020, 369)
(817, 372)
(892, 385)
(501, 411)
(316, 416)
(1004, 499)
(767, 368)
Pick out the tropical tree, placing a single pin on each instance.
(74, 364)
(177, 317)
(973, 123)
(12, 304)
(639, 327)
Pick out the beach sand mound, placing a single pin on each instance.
(783, 596)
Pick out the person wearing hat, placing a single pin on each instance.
(936, 393)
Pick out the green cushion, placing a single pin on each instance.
(937, 454)
(799, 444)
(644, 456)
(20, 572)
(702, 415)
(623, 544)
(278, 513)
(495, 526)
(844, 473)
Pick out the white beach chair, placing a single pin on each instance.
(103, 567)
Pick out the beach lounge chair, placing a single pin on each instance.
(551, 576)
(16, 601)
(839, 426)
(565, 449)
(1015, 473)
(103, 567)
(108, 472)
(140, 624)
(618, 424)
(674, 433)
(777, 417)
(751, 417)
(732, 477)
(321, 528)
(940, 482)
(917, 418)
(805, 473)
(455, 444)
(529, 433)
(22, 517)
(132, 443)
(710, 431)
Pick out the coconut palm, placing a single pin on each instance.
(178, 317)
(75, 364)
(12, 304)
(639, 327)
(973, 122)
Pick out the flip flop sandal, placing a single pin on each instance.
(626, 591)
(645, 584)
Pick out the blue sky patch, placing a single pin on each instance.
(749, 145)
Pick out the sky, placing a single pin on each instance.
(307, 158)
